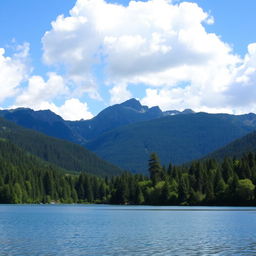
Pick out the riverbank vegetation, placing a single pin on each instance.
(25, 178)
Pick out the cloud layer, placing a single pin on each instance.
(160, 45)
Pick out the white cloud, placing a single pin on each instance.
(229, 89)
(41, 95)
(156, 43)
(241, 93)
(182, 98)
(119, 93)
(13, 71)
(160, 44)
(73, 109)
(39, 90)
(133, 42)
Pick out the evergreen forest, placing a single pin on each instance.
(25, 178)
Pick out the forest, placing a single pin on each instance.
(25, 178)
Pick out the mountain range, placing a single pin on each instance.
(126, 134)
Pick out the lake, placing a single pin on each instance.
(126, 230)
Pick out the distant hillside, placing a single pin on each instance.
(236, 148)
(43, 121)
(25, 178)
(65, 154)
(125, 134)
(47, 122)
(178, 138)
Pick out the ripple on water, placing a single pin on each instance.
(112, 230)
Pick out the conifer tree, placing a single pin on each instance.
(155, 169)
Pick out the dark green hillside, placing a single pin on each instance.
(236, 148)
(25, 178)
(59, 152)
(179, 139)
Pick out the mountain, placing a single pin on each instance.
(43, 121)
(125, 134)
(177, 139)
(80, 132)
(236, 148)
(129, 112)
(62, 153)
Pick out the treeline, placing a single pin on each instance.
(206, 182)
(26, 179)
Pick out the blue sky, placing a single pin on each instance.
(105, 52)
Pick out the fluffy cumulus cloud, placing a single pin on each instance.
(13, 71)
(39, 90)
(229, 89)
(242, 91)
(161, 45)
(119, 93)
(41, 94)
(158, 44)
(74, 109)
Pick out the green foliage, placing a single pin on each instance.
(65, 154)
(25, 178)
(245, 190)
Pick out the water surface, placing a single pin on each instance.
(126, 230)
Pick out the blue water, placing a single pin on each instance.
(126, 230)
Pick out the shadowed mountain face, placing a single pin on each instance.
(47, 122)
(64, 154)
(110, 118)
(177, 139)
(43, 121)
(125, 134)
(236, 148)
(115, 116)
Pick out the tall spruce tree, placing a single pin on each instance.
(155, 169)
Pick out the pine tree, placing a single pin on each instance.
(155, 169)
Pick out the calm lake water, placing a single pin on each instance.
(126, 230)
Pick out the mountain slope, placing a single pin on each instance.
(179, 139)
(65, 154)
(129, 112)
(80, 132)
(236, 148)
(43, 121)
(125, 134)
(24, 178)
(47, 122)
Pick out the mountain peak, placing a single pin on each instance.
(132, 103)
(188, 111)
